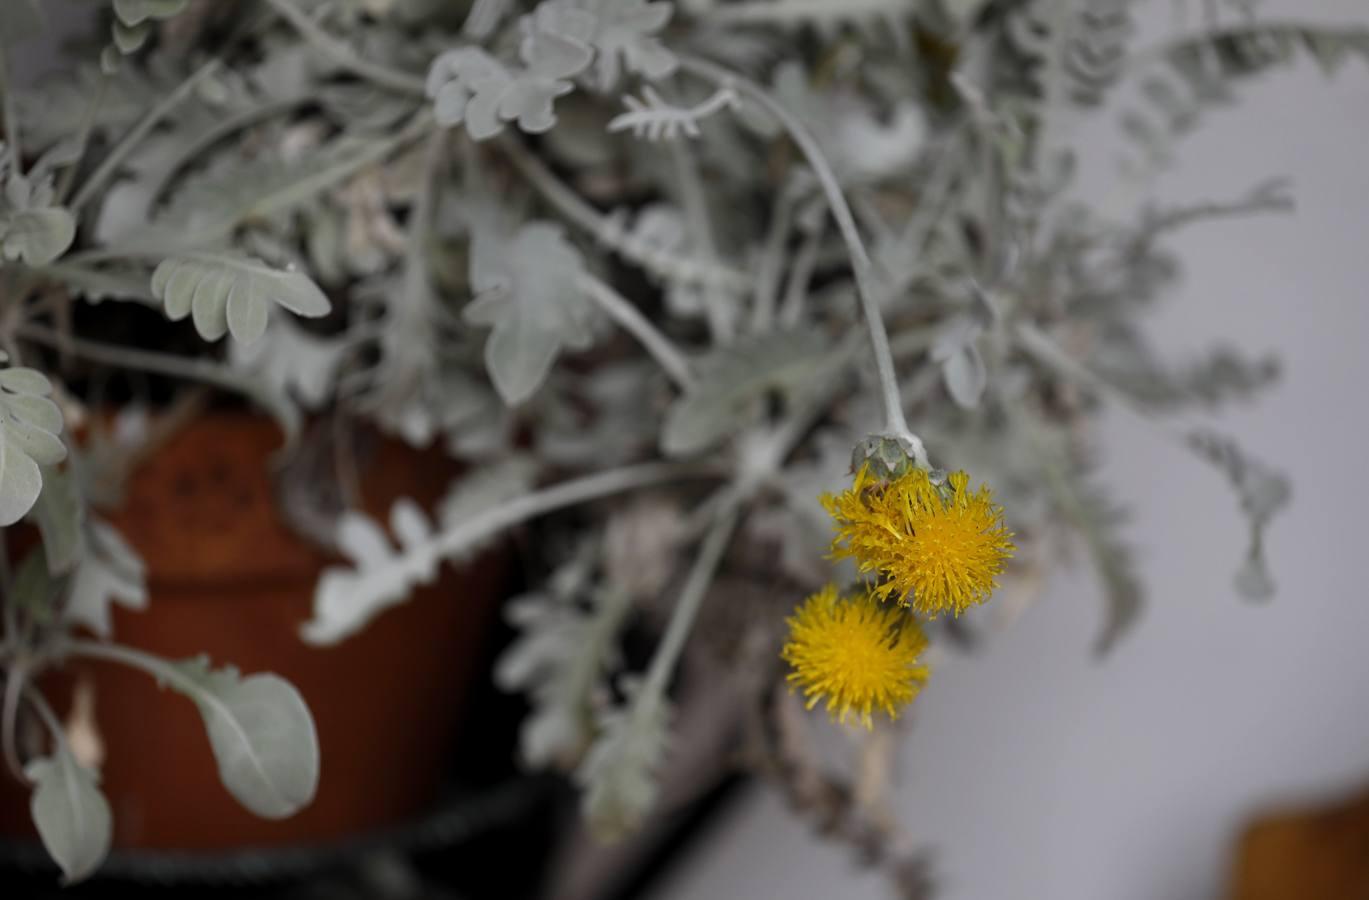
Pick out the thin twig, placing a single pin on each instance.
(609, 231)
(694, 200)
(345, 56)
(772, 262)
(661, 348)
(218, 132)
(895, 424)
(15, 678)
(691, 600)
(97, 99)
(800, 275)
(130, 141)
(189, 368)
(10, 113)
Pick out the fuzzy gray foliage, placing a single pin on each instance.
(624, 245)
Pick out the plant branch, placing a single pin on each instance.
(661, 348)
(692, 595)
(608, 230)
(97, 98)
(15, 679)
(218, 132)
(130, 141)
(188, 368)
(895, 424)
(772, 262)
(287, 197)
(693, 198)
(344, 56)
(133, 658)
(800, 275)
(559, 496)
(8, 110)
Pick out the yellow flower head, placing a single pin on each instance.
(938, 548)
(856, 653)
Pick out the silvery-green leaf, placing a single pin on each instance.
(962, 367)
(559, 658)
(60, 514)
(29, 428)
(527, 292)
(292, 361)
(25, 381)
(109, 572)
(469, 86)
(965, 376)
(230, 293)
(619, 773)
(111, 63)
(130, 38)
(1096, 518)
(626, 38)
(262, 735)
(34, 590)
(71, 814)
(1262, 492)
(555, 42)
(733, 378)
(135, 12)
(347, 598)
(1253, 580)
(36, 236)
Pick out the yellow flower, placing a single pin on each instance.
(938, 548)
(856, 653)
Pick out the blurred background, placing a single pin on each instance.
(1034, 770)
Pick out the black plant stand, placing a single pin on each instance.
(493, 822)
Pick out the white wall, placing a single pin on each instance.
(1037, 772)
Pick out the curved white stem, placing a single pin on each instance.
(895, 424)
(630, 317)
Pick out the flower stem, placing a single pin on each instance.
(630, 317)
(894, 423)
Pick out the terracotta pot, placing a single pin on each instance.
(227, 577)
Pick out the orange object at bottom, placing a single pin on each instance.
(227, 578)
(1310, 853)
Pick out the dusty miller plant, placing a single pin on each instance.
(652, 270)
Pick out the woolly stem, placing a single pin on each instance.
(345, 56)
(894, 423)
(8, 111)
(188, 368)
(609, 232)
(691, 599)
(130, 141)
(661, 348)
(694, 200)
